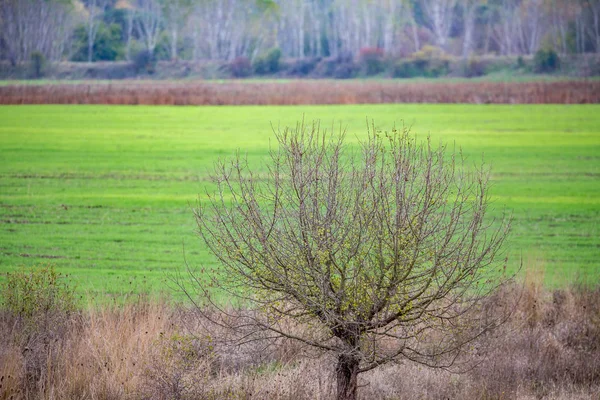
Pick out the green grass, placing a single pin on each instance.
(104, 193)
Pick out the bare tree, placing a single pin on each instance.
(95, 9)
(503, 20)
(593, 28)
(316, 16)
(519, 25)
(414, 28)
(530, 25)
(393, 12)
(580, 31)
(469, 12)
(562, 12)
(176, 14)
(225, 29)
(439, 15)
(356, 24)
(36, 25)
(148, 22)
(130, 16)
(221, 28)
(383, 250)
(291, 32)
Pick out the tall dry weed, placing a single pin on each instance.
(549, 349)
(303, 92)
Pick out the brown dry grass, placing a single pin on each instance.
(302, 92)
(549, 349)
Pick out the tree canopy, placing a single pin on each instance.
(383, 250)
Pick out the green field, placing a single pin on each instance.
(104, 192)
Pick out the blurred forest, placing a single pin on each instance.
(251, 37)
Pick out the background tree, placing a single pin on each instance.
(95, 10)
(592, 8)
(43, 26)
(223, 30)
(561, 13)
(469, 14)
(439, 15)
(530, 23)
(381, 251)
(147, 22)
(176, 14)
(130, 13)
(504, 21)
(414, 27)
(292, 27)
(107, 44)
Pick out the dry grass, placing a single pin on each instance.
(303, 92)
(549, 349)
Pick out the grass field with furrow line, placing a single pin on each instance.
(105, 192)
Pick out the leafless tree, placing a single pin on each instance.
(130, 16)
(382, 250)
(580, 26)
(221, 28)
(356, 24)
(469, 13)
(95, 9)
(291, 30)
(440, 15)
(505, 26)
(520, 25)
(414, 28)
(316, 22)
(530, 25)
(562, 12)
(148, 22)
(394, 12)
(36, 25)
(176, 14)
(593, 8)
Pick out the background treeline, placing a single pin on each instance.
(357, 37)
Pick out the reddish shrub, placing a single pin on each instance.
(372, 60)
(240, 67)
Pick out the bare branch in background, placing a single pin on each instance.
(43, 26)
(148, 22)
(95, 10)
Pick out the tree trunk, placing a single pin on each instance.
(174, 44)
(347, 377)
(90, 48)
(415, 34)
(577, 30)
(195, 41)
(469, 25)
(596, 13)
(91, 29)
(129, 33)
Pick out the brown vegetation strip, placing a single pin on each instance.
(303, 92)
(550, 348)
